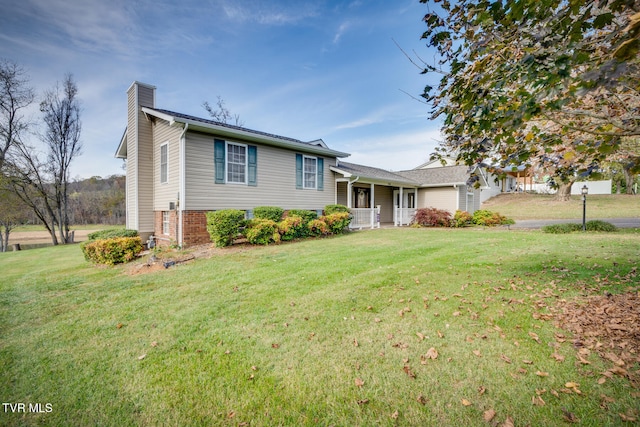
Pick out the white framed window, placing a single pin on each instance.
(164, 163)
(165, 222)
(310, 172)
(236, 163)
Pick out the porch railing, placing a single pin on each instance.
(404, 216)
(365, 218)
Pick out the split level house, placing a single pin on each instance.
(178, 167)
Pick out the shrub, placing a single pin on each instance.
(331, 209)
(224, 226)
(317, 227)
(490, 219)
(291, 228)
(561, 228)
(307, 217)
(597, 225)
(112, 251)
(110, 234)
(273, 213)
(262, 231)
(337, 222)
(432, 217)
(461, 219)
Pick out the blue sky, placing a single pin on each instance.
(297, 68)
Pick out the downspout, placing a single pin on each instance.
(182, 185)
(349, 191)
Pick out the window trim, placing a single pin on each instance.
(166, 163)
(304, 173)
(166, 222)
(227, 163)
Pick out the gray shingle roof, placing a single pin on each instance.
(446, 175)
(436, 176)
(226, 125)
(373, 173)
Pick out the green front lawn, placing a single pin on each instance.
(386, 327)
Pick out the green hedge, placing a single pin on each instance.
(291, 228)
(331, 209)
(112, 233)
(337, 222)
(112, 251)
(273, 213)
(490, 219)
(262, 231)
(593, 225)
(224, 226)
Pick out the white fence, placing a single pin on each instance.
(365, 218)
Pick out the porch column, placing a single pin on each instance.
(371, 206)
(400, 213)
(349, 191)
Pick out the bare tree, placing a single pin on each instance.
(61, 110)
(15, 95)
(41, 179)
(222, 114)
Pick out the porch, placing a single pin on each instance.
(372, 205)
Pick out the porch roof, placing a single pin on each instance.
(441, 176)
(373, 175)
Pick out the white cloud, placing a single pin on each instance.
(341, 30)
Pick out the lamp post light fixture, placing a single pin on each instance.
(585, 191)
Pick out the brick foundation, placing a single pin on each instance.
(194, 228)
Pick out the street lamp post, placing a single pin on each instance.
(585, 191)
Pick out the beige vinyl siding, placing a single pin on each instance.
(145, 174)
(132, 161)
(383, 196)
(166, 192)
(439, 197)
(139, 159)
(276, 180)
(342, 193)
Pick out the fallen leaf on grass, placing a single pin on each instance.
(395, 414)
(422, 400)
(534, 336)
(569, 416)
(505, 358)
(477, 353)
(420, 336)
(508, 422)
(537, 401)
(558, 357)
(628, 417)
(359, 382)
(363, 401)
(489, 415)
(542, 374)
(465, 402)
(407, 370)
(432, 353)
(274, 345)
(154, 344)
(142, 357)
(481, 390)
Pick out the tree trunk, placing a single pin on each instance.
(564, 192)
(629, 179)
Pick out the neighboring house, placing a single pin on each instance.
(179, 167)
